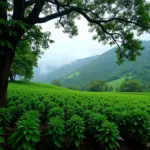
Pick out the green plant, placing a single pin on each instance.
(108, 135)
(5, 117)
(57, 111)
(1, 139)
(137, 124)
(75, 130)
(56, 131)
(94, 122)
(27, 132)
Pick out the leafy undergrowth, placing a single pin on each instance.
(70, 117)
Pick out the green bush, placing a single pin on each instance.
(27, 133)
(75, 130)
(56, 131)
(108, 135)
(5, 117)
(1, 138)
(57, 111)
(94, 122)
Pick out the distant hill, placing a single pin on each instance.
(104, 67)
(63, 71)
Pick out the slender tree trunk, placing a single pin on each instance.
(5, 64)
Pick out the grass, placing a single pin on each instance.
(116, 83)
(76, 74)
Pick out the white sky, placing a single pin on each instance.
(65, 50)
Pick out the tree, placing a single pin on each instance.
(113, 21)
(131, 86)
(24, 62)
(97, 86)
(56, 82)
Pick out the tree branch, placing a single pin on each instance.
(34, 15)
(28, 3)
(54, 16)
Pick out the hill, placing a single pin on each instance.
(64, 71)
(104, 67)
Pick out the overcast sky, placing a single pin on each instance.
(65, 50)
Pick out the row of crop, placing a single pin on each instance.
(27, 132)
(134, 124)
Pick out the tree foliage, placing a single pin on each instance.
(113, 21)
(24, 62)
(28, 50)
(56, 82)
(131, 86)
(97, 86)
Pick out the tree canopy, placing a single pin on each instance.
(24, 62)
(28, 50)
(113, 21)
(97, 86)
(131, 86)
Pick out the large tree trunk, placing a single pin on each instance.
(5, 64)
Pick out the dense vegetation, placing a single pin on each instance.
(112, 22)
(104, 67)
(106, 117)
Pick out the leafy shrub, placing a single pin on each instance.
(1, 139)
(5, 117)
(27, 132)
(137, 124)
(75, 130)
(57, 111)
(94, 122)
(56, 131)
(69, 111)
(108, 135)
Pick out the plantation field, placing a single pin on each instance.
(69, 117)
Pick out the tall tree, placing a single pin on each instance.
(112, 20)
(28, 50)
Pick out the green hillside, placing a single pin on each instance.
(104, 67)
(66, 70)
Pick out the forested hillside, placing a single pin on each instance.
(104, 67)
(64, 71)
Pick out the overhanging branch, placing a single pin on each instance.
(54, 16)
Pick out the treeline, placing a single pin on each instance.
(129, 85)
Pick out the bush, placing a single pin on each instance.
(5, 117)
(108, 135)
(75, 130)
(56, 131)
(131, 86)
(1, 139)
(27, 133)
